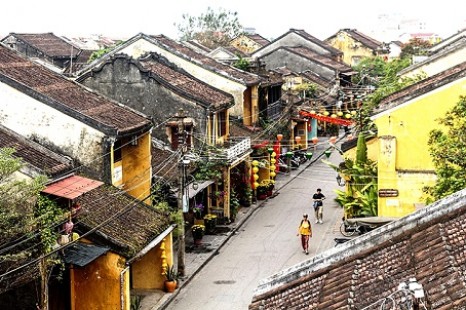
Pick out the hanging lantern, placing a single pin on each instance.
(326, 113)
(333, 115)
(272, 174)
(273, 161)
(333, 139)
(348, 115)
(255, 176)
(339, 113)
(328, 153)
(315, 140)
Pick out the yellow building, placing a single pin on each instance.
(356, 46)
(248, 43)
(404, 121)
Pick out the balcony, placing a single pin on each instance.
(235, 148)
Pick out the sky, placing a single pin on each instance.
(118, 19)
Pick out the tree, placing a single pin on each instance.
(360, 197)
(415, 47)
(211, 29)
(26, 223)
(448, 151)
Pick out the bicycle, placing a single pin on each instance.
(349, 228)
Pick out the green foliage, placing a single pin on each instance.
(174, 215)
(162, 192)
(415, 47)
(47, 212)
(135, 302)
(361, 149)
(209, 170)
(241, 63)
(361, 195)
(383, 76)
(211, 29)
(17, 199)
(99, 53)
(448, 152)
(171, 274)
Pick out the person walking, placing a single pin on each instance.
(318, 197)
(305, 231)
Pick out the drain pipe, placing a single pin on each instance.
(122, 287)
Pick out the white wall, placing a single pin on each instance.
(31, 118)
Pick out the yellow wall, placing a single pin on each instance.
(147, 272)
(136, 162)
(372, 150)
(350, 48)
(97, 286)
(245, 44)
(404, 161)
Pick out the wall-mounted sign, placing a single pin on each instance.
(388, 192)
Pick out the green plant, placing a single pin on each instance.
(136, 302)
(171, 274)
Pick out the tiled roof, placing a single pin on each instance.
(36, 156)
(121, 222)
(164, 163)
(67, 96)
(49, 44)
(422, 87)
(324, 60)
(324, 45)
(80, 62)
(364, 39)
(185, 84)
(198, 45)
(427, 245)
(258, 39)
(208, 62)
(316, 78)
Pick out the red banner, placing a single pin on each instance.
(329, 119)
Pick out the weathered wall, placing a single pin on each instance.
(281, 58)
(124, 82)
(353, 51)
(234, 88)
(53, 129)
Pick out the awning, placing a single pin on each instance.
(82, 254)
(200, 186)
(72, 187)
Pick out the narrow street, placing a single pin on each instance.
(267, 242)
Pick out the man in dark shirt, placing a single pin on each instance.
(318, 197)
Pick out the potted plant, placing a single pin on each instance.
(210, 221)
(197, 210)
(198, 231)
(171, 279)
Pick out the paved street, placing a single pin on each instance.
(266, 243)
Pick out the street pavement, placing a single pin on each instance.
(266, 233)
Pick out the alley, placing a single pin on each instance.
(267, 242)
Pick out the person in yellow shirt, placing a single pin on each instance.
(305, 231)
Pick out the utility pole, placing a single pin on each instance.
(182, 149)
